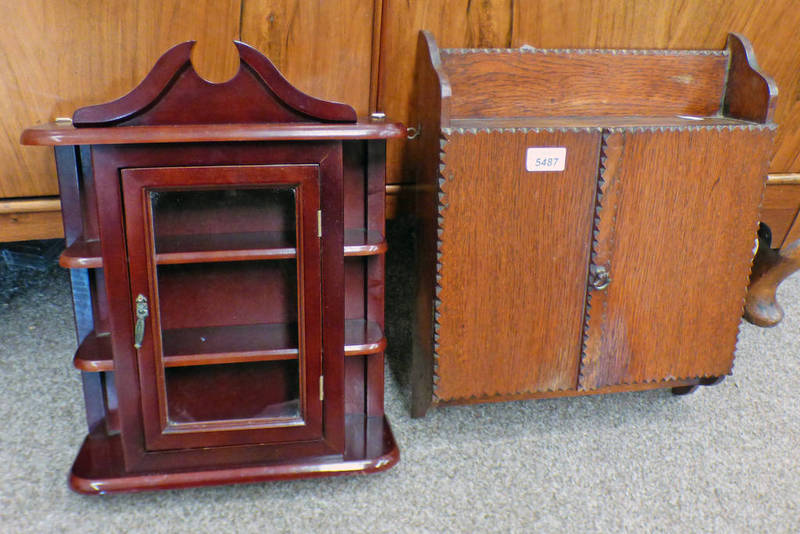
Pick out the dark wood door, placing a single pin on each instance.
(226, 288)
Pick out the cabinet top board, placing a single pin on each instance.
(174, 104)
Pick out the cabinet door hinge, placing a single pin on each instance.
(319, 223)
(321, 387)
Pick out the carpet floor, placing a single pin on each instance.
(725, 459)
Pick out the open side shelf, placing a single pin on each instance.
(230, 344)
(200, 248)
(82, 254)
(361, 242)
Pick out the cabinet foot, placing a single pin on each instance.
(770, 268)
(691, 388)
(685, 390)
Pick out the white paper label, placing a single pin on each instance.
(545, 158)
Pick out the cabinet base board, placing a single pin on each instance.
(99, 468)
(664, 384)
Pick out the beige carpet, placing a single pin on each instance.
(724, 460)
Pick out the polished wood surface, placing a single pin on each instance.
(65, 55)
(771, 267)
(780, 212)
(313, 42)
(59, 134)
(24, 225)
(99, 468)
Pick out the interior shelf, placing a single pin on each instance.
(229, 344)
(201, 248)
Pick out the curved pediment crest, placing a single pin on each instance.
(173, 93)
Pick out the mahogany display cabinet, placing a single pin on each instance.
(226, 246)
(587, 218)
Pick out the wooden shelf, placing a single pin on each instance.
(66, 134)
(94, 353)
(82, 254)
(226, 344)
(230, 344)
(360, 242)
(204, 248)
(362, 337)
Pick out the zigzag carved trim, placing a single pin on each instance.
(527, 49)
(475, 131)
(598, 207)
(500, 397)
(441, 208)
(752, 126)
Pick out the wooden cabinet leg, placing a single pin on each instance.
(770, 268)
(706, 381)
(684, 390)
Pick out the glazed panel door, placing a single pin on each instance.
(226, 284)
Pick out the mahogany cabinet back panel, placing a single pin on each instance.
(514, 251)
(676, 219)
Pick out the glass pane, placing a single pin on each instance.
(237, 391)
(229, 324)
(223, 219)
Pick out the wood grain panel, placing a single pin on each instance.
(58, 56)
(30, 225)
(689, 24)
(794, 232)
(323, 48)
(780, 210)
(681, 217)
(454, 23)
(508, 237)
(521, 84)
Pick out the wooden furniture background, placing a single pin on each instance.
(624, 269)
(226, 245)
(312, 42)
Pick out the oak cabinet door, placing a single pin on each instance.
(513, 251)
(671, 256)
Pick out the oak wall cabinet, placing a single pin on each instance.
(227, 251)
(587, 218)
